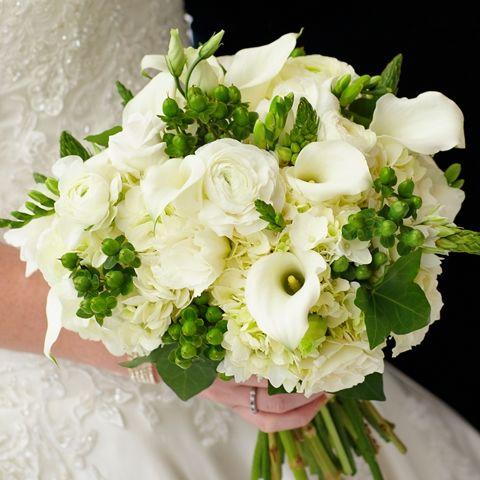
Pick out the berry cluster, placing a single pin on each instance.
(198, 332)
(100, 287)
(219, 115)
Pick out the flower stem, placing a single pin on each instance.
(265, 457)
(294, 458)
(343, 434)
(337, 443)
(275, 459)
(257, 459)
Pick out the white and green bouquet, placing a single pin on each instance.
(267, 214)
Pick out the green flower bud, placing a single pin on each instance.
(168, 340)
(202, 299)
(70, 260)
(211, 46)
(363, 272)
(415, 201)
(284, 154)
(176, 54)
(458, 183)
(295, 147)
(398, 210)
(175, 330)
(215, 354)
(341, 84)
(349, 232)
(294, 158)
(214, 336)
(340, 265)
(126, 256)
(387, 242)
(180, 143)
(387, 228)
(414, 238)
(82, 283)
(234, 94)
(364, 234)
(403, 249)
(188, 351)
(189, 313)
(111, 302)
(198, 102)
(221, 93)
(221, 111)
(189, 328)
(387, 176)
(170, 107)
(349, 274)
(98, 304)
(222, 325)
(110, 247)
(240, 133)
(240, 116)
(386, 191)
(405, 189)
(453, 172)
(114, 279)
(136, 262)
(214, 314)
(270, 122)
(252, 118)
(379, 259)
(260, 135)
(351, 92)
(209, 137)
(374, 81)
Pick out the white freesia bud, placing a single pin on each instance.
(427, 124)
(280, 290)
(327, 170)
(174, 180)
(176, 56)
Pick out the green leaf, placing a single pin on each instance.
(136, 362)
(69, 145)
(124, 92)
(275, 220)
(102, 138)
(391, 74)
(370, 389)
(396, 304)
(185, 383)
(275, 390)
(39, 178)
(306, 123)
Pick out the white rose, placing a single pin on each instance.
(236, 175)
(189, 254)
(138, 145)
(88, 193)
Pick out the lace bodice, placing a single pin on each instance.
(58, 64)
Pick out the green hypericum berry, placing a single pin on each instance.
(349, 232)
(403, 249)
(214, 336)
(252, 118)
(214, 314)
(340, 265)
(188, 351)
(349, 274)
(82, 283)
(387, 176)
(114, 279)
(414, 238)
(363, 272)
(98, 304)
(240, 116)
(198, 102)
(126, 256)
(387, 228)
(215, 353)
(379, 259)
(111, 302)
(189, 313)
(240, 133)
(167, 339)
(209, 137)
(175, 330)
(70, 260)
(415, 201)
(221, 93)
(180, 143)
(170, 107)
(222, 325)
(405, 189)
(221, 111)
(364, 234)
(189, 328)
(387, 242)
(398, 210)
(202, 299)
(234, 94)
(110, 247)
(136, 262)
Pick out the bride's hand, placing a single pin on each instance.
(275, 412)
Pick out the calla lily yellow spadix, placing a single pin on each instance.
(280, 290)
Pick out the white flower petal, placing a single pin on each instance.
(426, 124)
(326, 170)
(54, 318)
(307, 231)
(155, 62)
(282, 316)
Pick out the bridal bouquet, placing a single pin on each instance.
(269, 213)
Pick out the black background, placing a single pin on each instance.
(440, 51)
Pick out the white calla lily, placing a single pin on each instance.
(279, 312)
(251, 69)
(326, 170)
(427, 124)
(165, 183)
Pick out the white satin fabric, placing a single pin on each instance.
(58, 63)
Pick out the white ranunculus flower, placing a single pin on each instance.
(178, 181)
(88, 193)
(327, 170)
(252, 69)
(427, 124)
(307, 231)
(189, 254)
(279, 313)
(236, 175)
(138, 145)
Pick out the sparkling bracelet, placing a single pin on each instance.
(144, 373)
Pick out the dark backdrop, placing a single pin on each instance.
(440, 53)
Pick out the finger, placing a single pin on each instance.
(273, 422)
(255, 381)
(282, 403)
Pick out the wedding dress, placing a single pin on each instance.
(58, 63)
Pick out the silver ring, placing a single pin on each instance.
(253, 400)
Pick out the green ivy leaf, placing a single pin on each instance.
(396, 304)
(102, 138)
(124, 92)
(69, 145)
(185, 383)
(266, 211)
(370, 389)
